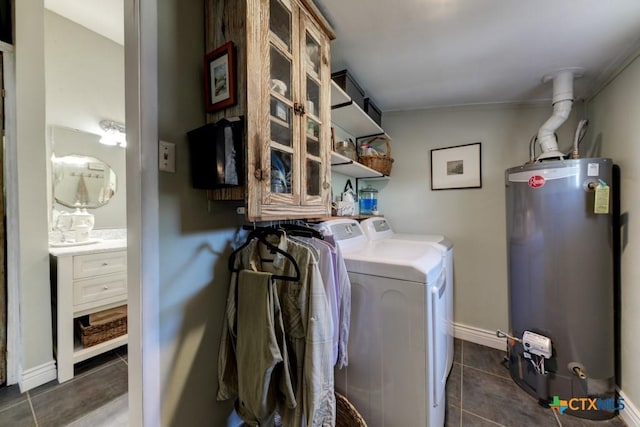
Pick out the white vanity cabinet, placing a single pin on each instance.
(84, 280)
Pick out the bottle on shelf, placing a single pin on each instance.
(347, 148)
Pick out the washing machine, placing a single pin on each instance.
(377, 228)
(397, 368)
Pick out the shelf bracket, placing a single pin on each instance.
(344, 104)
(342, 163)
(369, 136)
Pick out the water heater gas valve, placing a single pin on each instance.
(537, 344)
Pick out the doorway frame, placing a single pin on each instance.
(14, 320)
(141, 113)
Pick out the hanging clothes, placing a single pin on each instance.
(264, 354)
(343, 291)
(308, 331)
(343, 287)
(336, 283)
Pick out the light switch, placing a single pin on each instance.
(167, 156)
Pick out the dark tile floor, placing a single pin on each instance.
(96, 382)
(480, 393)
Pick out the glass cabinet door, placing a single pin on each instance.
(294, 114)
(314, 131)
(282, 121)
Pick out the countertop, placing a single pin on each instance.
(82, 249)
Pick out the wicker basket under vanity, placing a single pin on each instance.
(102, 326)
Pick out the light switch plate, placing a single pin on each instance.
(167, 156)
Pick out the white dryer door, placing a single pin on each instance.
(387, 376)
(439, 337)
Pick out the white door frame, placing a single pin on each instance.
(140, 18)
(141, 111)
(14, 338)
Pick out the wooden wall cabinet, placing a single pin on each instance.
(284, 93)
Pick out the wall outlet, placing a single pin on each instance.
(167, 156)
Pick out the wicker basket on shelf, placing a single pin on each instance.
(92, 333)
(379, 162)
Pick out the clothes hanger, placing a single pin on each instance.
(301, 230)
(261, 234)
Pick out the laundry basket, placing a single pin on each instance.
(346, 414)
(379, 162)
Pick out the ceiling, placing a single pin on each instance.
(105, 17)
(410, 54)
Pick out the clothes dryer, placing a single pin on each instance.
(397, 347)
(377, 229)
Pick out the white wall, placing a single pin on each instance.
(194, 244)
(473, 219)
(33, 267)
(84, 75)
(613, 116)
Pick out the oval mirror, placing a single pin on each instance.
(82, 181)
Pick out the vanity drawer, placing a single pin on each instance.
(98, 291)
(98, 264)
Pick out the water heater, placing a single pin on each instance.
(561, 302)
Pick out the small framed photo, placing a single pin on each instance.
(220, 73)
(456, 167)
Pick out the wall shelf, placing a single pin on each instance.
(348, 115)
(346, 166)
(356, 217)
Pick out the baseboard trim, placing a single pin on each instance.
(479, 336)
(630, 414)
(34, 377)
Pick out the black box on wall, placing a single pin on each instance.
(217, 155)
(345, 80)
(373, 111)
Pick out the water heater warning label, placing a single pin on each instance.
(601, 205)
(536, 181)
(593, 169)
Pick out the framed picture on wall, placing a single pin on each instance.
(456, 167)
(220, 82)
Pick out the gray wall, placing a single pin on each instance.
(194, 243)
(615, 129)
(474, 219)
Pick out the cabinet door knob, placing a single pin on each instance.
(105, 287)
(326, 185)
(104, 264)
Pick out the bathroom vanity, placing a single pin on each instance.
(88, 266)
(85, 279)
